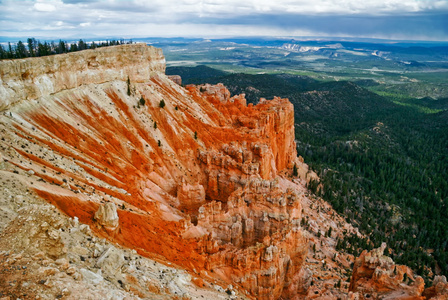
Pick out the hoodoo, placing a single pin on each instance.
(200, 182)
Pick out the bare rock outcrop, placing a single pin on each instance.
(191, 196)
(438, 290)
(375, 276)
(107, 216)
(267, 246)
(33, 78)
(176, 78)
(111, 261)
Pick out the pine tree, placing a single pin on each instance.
(10, 52)
(81, 45)
(295, 172)
(73, 47)
(21, 50)
(43, 49)
(338, 284)
(62, 47)
(31, 46)
(3, 53)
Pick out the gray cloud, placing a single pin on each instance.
(362, 25)
(405, 19)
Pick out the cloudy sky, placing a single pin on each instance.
(390, 19)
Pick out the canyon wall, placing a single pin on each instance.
(35, 77)
(191, 177)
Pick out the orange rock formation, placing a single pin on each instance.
(375, 276)
(194, 183)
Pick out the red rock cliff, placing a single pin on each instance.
(194, 183)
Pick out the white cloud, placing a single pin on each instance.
(44, 7)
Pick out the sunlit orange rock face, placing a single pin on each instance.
(194, 182)
(375, 276)
(438, 290)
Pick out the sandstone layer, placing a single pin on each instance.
(36, 77)
(190, 176)
(46, 255)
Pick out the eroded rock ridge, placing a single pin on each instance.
(190, 176)
(36, 77)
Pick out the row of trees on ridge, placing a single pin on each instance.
(35, 48)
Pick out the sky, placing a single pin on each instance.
(385, 19)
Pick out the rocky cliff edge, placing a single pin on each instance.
(35, 77)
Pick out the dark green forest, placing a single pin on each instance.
(35, 48)
(383, 160)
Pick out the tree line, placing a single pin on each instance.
(35, 48)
